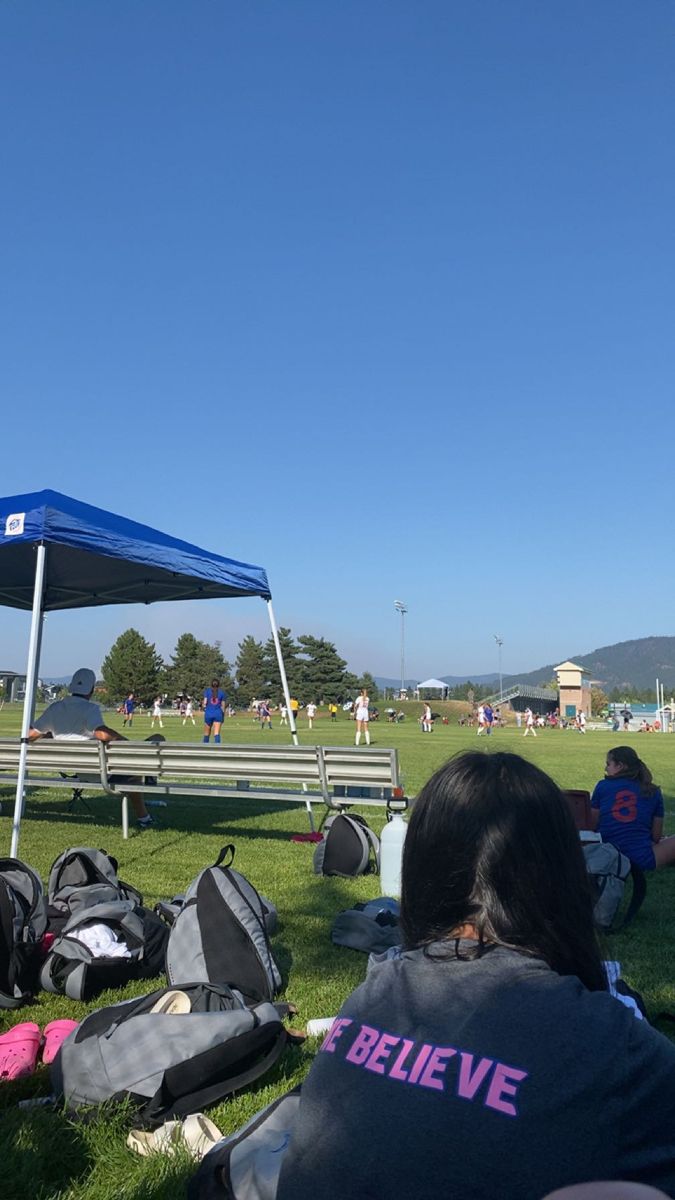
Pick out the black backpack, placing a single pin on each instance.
(169, 1065)
(73, 968)
(23, 924)
(347, 846)
(221, 933)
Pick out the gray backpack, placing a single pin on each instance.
(608, 870)
(82, 969)
(347, 846)
(220, 934)
(247, 1164)
(23, 924)
(82, 877)
(372, 927)
(168, 1064)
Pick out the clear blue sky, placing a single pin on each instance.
(378, 295)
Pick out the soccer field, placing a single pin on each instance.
(50, 1158)
(572, 759)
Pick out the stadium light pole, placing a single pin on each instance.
(500, 643)
(402, 609)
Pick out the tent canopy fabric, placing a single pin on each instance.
(433, 685)
(96, 557)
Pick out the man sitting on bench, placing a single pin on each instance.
(76, 718)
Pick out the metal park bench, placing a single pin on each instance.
(335, 776)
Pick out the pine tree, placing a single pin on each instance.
(323, 671)
(132, 665)
(194, 664)
(250, 668)
(289, 652)
(350, 686)
(366, 681)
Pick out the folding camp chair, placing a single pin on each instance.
(77, 796)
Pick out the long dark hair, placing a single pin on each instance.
(491, 842)
(633, 767)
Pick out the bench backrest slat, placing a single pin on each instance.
(345, 765)
(216, 762)
(51, 755)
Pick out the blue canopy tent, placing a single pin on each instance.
(56, 553)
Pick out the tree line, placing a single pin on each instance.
(315, 670)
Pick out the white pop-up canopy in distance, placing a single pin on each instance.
(433, 685)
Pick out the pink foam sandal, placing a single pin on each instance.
(19, 1050)
(55, 1034)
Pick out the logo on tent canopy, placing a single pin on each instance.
(14, 524)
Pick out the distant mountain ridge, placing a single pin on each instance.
(632, 664)
(451, 680)
(637, 663)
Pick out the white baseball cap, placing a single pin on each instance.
(82, 683)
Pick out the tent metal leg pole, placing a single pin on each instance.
(287, 698)
(282, 672)
(41, 626)
(29, 698)
(125, 817)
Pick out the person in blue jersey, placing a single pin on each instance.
(128, 709)
(628, 811)
(214, 699)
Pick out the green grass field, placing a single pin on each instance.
(50, 1158)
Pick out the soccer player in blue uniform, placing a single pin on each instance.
(628, 811)
(128, 707)
(214, 699)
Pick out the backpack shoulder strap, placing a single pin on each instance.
(374, 844)
(372, 839)
(14, 997)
